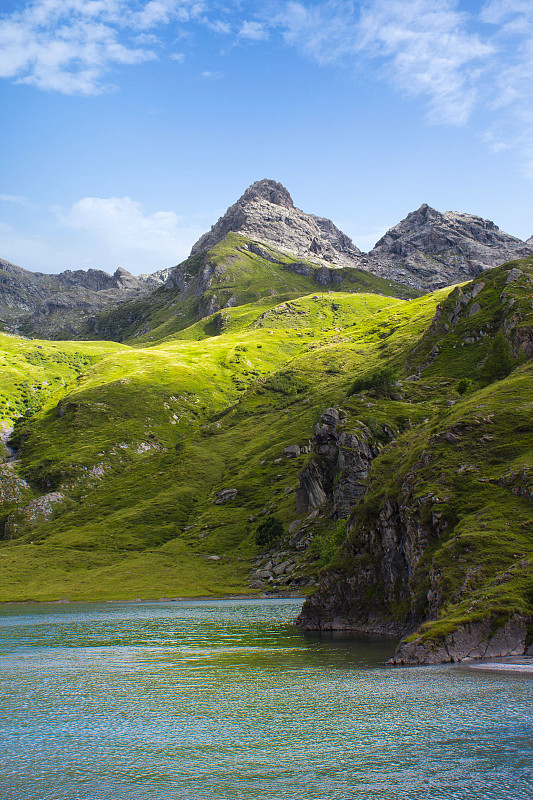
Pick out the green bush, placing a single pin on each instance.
(382, 382)
(269, 531)
(464, 385)
(500, 360)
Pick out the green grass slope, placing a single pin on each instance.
(236, 272)
(118, 488)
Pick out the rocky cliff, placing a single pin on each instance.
(435, 552)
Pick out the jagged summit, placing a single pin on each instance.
(426, 250)
(266, 213)
(430, 249)
(271, 191)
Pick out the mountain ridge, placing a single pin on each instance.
(425, 251)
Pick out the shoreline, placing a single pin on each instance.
(192, 598)
(510, 665)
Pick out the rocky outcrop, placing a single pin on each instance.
(480, 639)
(339, 470)
(383, 560)
(39, 510)
(429, 249)
(13, 489)
(266, 213)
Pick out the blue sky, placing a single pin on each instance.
(129, 126)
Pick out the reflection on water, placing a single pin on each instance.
(225, 699)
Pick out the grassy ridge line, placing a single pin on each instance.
(161, 474)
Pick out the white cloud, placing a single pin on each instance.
(218, 26)
(18, 199)
(431, 52)
(117, 232)
(69, 46)
(211, 76)
(179, 57)
(103, 233)
(255, 31)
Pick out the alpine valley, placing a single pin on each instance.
(366, 417)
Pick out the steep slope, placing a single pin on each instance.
(266, 213)
(428, 249)
(58, 304)
(439, 544)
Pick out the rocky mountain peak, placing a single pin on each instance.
(430, 249)
(271, 191)
(267, 214)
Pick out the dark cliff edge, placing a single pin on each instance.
(439, 514)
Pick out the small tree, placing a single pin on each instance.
(269, 531)
(500, 359)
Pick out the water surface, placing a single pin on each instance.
(225, 699)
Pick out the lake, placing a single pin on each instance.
(225, 699)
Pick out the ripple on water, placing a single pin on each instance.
(225, 699)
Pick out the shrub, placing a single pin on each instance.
(464, 385)
(269, 530)
(499, 362)
(382, 382)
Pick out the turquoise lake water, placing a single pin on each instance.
(225, 699)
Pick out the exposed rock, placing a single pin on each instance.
(475, 640)
(430, 249)
(292, 451)
(13, 489)
(225, 495)
(341, 471)
(38, 510)
(266, 213)
(46, 304)
(514, 275)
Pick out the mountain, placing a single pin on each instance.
(428, 249)
(57, 304)
(391, 439)
(266, 213)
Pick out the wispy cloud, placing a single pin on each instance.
(424, 48)
(69, 46)
(256, 31)
(17, 199)
(458, 62)
(217, 25)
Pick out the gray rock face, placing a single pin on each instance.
(266, 213)
(428, 249)
(340, 472)
(29, 299)
(476, 640)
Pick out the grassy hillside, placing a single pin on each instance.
(236, 272)
(120, 489)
